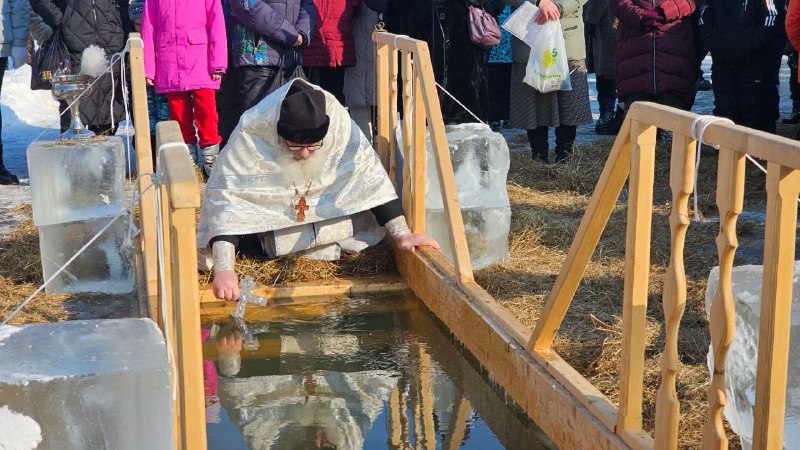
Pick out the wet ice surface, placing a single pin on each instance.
(360, 374)
(740, 375)
(89, 384)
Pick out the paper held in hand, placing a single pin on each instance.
(522, 23)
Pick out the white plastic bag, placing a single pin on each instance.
(547, 68)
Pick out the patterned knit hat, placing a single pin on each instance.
(135, 10)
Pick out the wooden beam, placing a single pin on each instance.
(601, 205)
(783, 185)
(144, 164)
(730, 200)
(637, 272)
(758, 144)
(342, 286)
(419, 159)
(403, 43)
(555, 409)
(452, 207)
(681, 180)
(394, 69)
(426, 434)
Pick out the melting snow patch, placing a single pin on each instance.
(18, 431)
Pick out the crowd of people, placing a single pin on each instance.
(207, 63)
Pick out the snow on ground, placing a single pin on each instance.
(28, 115)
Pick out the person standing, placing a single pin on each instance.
(185, 55)
(13, 43)
(499, 75)
(332, 48)
(601, 40)
(564, 110)
(746, 41)
(359, 80)
(83, 23)
(266, 39)
(655, 52)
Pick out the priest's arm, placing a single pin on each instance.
(389, 215)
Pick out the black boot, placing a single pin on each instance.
(539, 145)
(612, 126)
(607, 105)
(6, 177)
(565, 139)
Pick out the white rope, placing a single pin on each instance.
(459, 103)
(699, 125)
(162, 275)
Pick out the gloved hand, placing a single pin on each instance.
(19, 55)
(652, 18)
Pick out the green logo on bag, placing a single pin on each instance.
(549, 58)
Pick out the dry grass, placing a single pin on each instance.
(548, 202)
(373, 261)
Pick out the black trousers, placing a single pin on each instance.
(329, 78)
(747, 91)
(499, 76)
(229, 107)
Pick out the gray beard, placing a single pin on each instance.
(302, 172)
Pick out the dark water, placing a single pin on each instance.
(353, 374)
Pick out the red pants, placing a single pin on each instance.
(196, 108)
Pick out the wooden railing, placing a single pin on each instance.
(410, 60)
(170, 197)
(632, 158)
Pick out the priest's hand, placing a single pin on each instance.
(226, 285)
(409, 242)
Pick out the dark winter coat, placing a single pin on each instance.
(655, 60)
(332, 43)
(601, 35)
(735, 31)
(83, 23)
(265, 31)
(458, 64)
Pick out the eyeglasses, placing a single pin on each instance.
(301, 147)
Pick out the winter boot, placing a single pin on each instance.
(210, 154)
(795, 117)
(606, 110)
(6, 177)
(539, 145)
(612, 126)
(194, 151)
(565, 139)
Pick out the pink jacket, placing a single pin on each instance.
(184, 44)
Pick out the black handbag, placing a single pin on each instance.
(49, 58)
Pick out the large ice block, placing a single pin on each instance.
(105, 266)
(73, 181)
(740, 374)
(480, 162)
(89, 384)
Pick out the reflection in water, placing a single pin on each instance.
(361, 374)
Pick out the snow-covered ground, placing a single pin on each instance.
(30, 115)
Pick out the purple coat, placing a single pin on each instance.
(658, 59)
(184, 44)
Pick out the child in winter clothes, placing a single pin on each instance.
(655, 51)
(157, 106)
(185, 55)
(746, 40)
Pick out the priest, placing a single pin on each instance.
(297, 177)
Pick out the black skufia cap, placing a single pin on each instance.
(302, 118)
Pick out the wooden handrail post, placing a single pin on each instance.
(730, 200)
(637, 271)
(393, 120)
(452, 207)
(383, 106)
(144, 164)
(601, 205)
(681, 180)
(783, 185)
(407, 75)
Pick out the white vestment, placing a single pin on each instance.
(248, 192)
